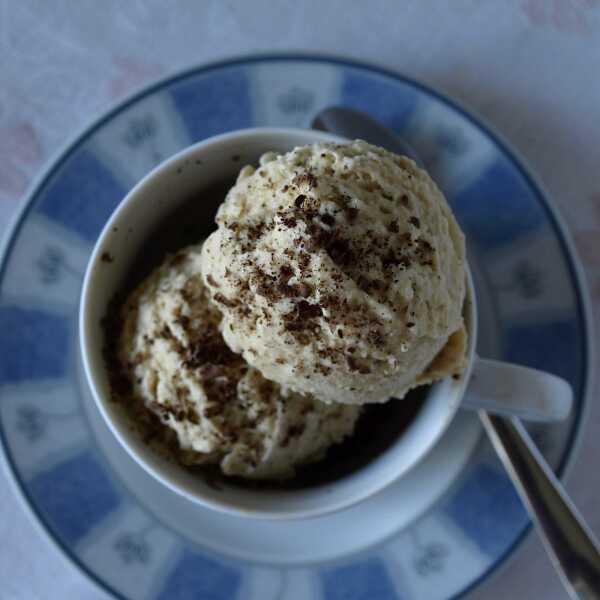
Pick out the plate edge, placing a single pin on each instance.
(101, 116)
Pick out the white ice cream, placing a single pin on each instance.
(340, 272)
(221, 410)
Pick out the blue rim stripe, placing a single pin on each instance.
(212, 107)
(580, 393)
(378, 98)
(367, 579)
(35, 335)
(486, 490)
(84, 200)
(81, 500)
(196, 576)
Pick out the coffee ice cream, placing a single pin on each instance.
(339, 272)
(215, 408)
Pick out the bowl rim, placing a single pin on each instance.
(123, 433)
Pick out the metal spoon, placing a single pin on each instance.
(570, 544)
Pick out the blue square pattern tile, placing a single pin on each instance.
(366, 580)
(33, 345)
(554, 346)
(487, 509)
(82, 197)
(196, 577)
(214, 103)
(378, 98)
(497, 207)
(75, 496)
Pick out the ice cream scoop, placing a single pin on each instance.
(340, 271)
(217, 409)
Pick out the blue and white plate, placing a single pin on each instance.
(137, 539)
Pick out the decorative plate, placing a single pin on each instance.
(137, 539)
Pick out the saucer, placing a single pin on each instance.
(460, 517)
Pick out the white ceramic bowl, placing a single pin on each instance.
(124, 237)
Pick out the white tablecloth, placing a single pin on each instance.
(531, 67)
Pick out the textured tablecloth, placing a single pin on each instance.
(531, 67)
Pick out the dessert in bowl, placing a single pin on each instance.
(303, 355)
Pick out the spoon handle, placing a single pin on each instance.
(353, 125)
(570, 544)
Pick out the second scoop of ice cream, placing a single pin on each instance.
(339, 270)
(214, 407)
